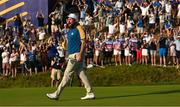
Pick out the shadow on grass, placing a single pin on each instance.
(141, 94)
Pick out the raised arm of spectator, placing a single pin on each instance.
(115, 25)
(42, 14)
(78, 2)
(79, 7)
(37, 14)
(73, 2)
(50, 15)
(85, 7)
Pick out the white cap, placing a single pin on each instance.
(178, 37)
(96, 39)
(131, 33)
(126, 38)
(73, 15)
(108, 36)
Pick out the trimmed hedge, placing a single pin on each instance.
(134, 75)
(109, 76)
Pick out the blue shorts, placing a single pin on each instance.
(162, 52)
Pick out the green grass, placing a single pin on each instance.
(110, 76)
(158, 95)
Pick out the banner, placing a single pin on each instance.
(27, 8)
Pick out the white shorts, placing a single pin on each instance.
(97, 52)
(172, 52)
(144, 52)
(127, 53)
(153, 52)
(55, 74)
(116, 52)
(178, 15)
(140, 30)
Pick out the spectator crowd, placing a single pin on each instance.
(118, 32)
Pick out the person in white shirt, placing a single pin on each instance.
(112, 28)
(61, 52)
(177, 44)
(119, 4)
(41, 34)
(172, 50)
(162, 3)
(5, 62)
(144, 10)
(168, 9)
(152, 21)
(161, 20)
(82, 9)
(127, 52)
(14, 62)
(144, 47)
(65, 31)
(130, 24)
(97, 48)
(122, 28)
(23, 62)
(88, 22)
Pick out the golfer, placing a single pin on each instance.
(76, 47)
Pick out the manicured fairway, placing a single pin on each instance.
(159, 95)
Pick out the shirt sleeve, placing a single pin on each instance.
(81, 32)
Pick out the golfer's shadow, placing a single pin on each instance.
(141, 94)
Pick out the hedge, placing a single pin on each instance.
(108, 76)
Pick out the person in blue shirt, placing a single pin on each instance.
(51, 51)
(31, 59)
(162, 49)
(168, 27)
(18, 24)
(140, 25)
(76, 49)
(157, 4)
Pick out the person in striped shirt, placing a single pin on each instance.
(108, 50)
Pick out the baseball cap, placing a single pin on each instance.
(108, 36)
(178, 37)
(96, 39)
(73, 15)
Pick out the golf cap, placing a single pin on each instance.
(96, 39)
(73, 15)
(108, 36)
(178, 37)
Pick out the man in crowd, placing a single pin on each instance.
(177, 44)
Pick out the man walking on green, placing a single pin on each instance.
(76, 49)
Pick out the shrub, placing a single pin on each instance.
(109, 76)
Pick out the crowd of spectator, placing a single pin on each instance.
(117, 32)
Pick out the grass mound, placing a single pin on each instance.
(108, 76)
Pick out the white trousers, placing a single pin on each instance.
(74, 66)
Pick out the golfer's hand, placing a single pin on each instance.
(78, 57)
